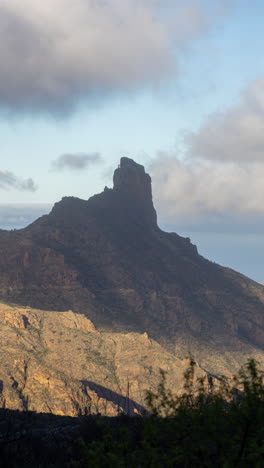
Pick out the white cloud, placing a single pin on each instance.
(234, 135)
(206, 188)
(220, 175)
(55, 52)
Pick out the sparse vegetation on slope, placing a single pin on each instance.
(207, 426)
(59, 362)
(107, 258)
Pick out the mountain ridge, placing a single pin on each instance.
(58, 362)
(107, 258)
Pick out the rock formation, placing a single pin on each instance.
(106, 258)
(58, 362)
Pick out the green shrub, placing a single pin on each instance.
(211, 424)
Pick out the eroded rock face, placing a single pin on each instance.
(106, 258)
(58, 362)
(134, 186)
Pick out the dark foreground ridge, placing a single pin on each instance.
(107, 258)
(208, 425)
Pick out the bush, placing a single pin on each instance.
(211, 424)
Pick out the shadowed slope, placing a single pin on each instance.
(107, 258)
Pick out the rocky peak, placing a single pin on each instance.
(130, 177)
(134, 184)
(128, 202)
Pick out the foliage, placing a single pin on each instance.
(213, 423)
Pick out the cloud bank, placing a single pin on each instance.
(57, 52)
(9, 180)
(16, 216)
(207, 187)
(76, 162)
(235, 134)
(221, 175)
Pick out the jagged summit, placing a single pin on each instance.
(131, 178)
(134, 186)
(128, 202)
(106, 257)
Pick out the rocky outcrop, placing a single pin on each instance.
(107, 259)
(133, 185)
(57, 362)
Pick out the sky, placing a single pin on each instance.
(177, 85)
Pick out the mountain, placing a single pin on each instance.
(107, 259)
(59, 362)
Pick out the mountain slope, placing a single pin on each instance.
(58, 362)
(108, 259)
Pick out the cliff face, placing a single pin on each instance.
(106, 258)
(58, 362)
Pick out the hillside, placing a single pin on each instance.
(108, 261)
(58, 362)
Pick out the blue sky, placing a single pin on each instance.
(178, 86)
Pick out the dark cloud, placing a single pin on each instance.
(76, 162)
(56, 52)
(9, 180)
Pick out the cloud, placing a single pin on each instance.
(16, 216)
(235, 134)
(218, 181)
(208, 187)
(57, 52)
(9, 180)
(76, 162)
(208, 192)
